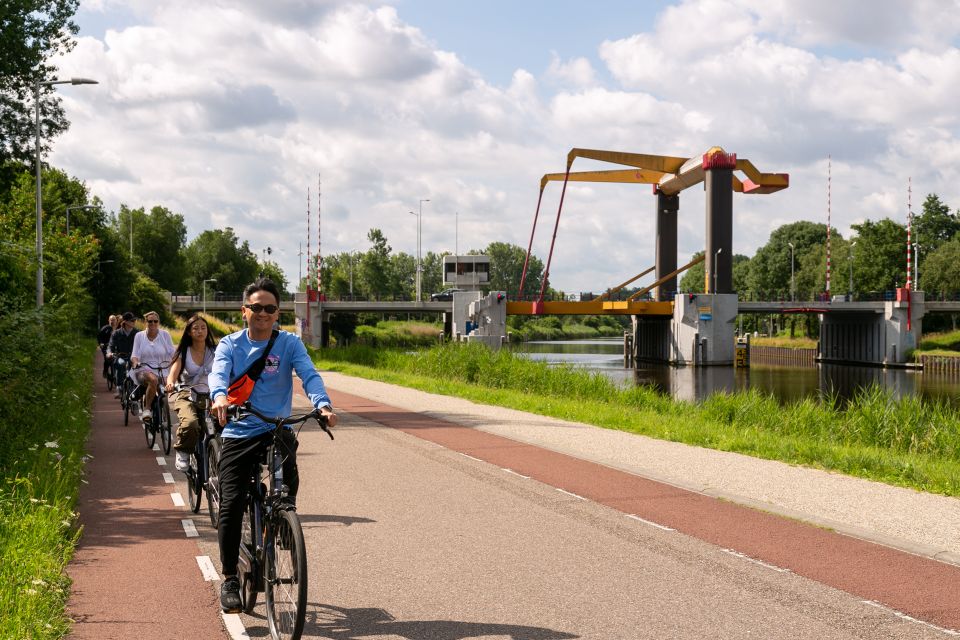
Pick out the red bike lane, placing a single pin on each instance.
(135, 572)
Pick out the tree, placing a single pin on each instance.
(375, 266)
(146, 295)
(158, 242)
(941, 273)
(770, 266)
(273, 271)
(694, 278)
(219, 254)
(880, 255)
(935, 226)
(506, 267)
(402, 277)
(33, 33)
(432, 274)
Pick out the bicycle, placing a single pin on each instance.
(160, 413)
(124, 384)
(272, 554)
(204, 461)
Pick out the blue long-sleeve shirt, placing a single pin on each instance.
(273, 393)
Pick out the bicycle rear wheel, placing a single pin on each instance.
(125, 401)
(166, 437)
(109, 378)
(285, 576)
(213, 481)
(150, 428)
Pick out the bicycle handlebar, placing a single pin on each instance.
(247, 410)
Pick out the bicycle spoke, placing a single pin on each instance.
(287, 577)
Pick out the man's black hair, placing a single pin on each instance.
(262, 284)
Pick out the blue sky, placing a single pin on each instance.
(227, 111)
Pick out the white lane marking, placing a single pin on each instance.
(235, 626)
(761, 563)
(161, 461)
(189, 528)
(515, 473)
(471, 457)
(570, 494)
(652, 524)
(903, 616)
(207, 569)
(156, 447)
(168, 477)
(177, 499)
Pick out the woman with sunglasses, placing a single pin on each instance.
(154, 347)
(192, 362)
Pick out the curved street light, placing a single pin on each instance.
(36, 101)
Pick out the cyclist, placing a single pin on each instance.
(121, 343)
(153, 346)
(192, 362)
(272, 394)
(103, 339)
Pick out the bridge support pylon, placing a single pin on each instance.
(702, 329)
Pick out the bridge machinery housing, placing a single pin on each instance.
(696, 329)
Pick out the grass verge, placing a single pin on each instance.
(902, 442)
(46, 381)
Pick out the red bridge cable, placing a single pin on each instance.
(556, 225)
(526, 260)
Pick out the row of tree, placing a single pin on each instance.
(873, 259)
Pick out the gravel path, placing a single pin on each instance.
(921, 523)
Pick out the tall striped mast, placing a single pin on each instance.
(319, 238)
(909, 231)
(829, 178)
(309, 265)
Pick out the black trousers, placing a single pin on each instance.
(237, 461)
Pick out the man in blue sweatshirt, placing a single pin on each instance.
(272, 395)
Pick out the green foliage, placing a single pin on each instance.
(941, 269)
(506, 267)
(770, 267)
(392, 333)
(880, 255)
(146, 295)
(158, 242)
(41, 465)
(219, 254)
(33, 33)
(935, 225)
(375, 265)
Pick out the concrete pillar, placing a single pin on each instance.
(718, 180)
(667, 207)
(702, 329)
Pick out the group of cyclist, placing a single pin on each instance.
(201, 366)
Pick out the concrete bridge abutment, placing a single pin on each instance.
(874, 338)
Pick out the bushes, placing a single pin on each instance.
(45, 390)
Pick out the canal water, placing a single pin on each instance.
(785, 383)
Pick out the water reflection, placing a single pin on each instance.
(785, 383)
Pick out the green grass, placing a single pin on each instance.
(946, 343)
(903, 442)
(46, 382)
(789, 343)
(398, 333)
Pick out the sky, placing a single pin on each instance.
(229, 111)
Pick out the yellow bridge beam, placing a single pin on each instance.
(594, 307)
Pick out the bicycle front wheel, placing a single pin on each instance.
(125, 392)
(165, 427)
(285, 577)
(213, 481)
(195, 481)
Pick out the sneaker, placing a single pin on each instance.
(230, 595)
(116, 394)
(183, 461)
(146, 416)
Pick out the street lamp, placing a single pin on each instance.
(36, 101)
(716, 260)
(205, 293)
(74, 208)
(419, 266)
(916, 263)
(793, 290)
(850, 259)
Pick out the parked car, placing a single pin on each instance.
(444, 296)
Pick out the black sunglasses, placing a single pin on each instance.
(257, 308)
(153, 321)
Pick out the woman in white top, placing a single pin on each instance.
(155, 348)
(188, 375)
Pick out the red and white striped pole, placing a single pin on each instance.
(319, 239)
(309, 264)
(829, 178)
(909, 231)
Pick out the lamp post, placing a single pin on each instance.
(916, 264)
(75, 207)
(850, 259)
(36, 101)
(99, 262)
(716, 260)
(205, 293)
(793, 290)
(419, 225)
